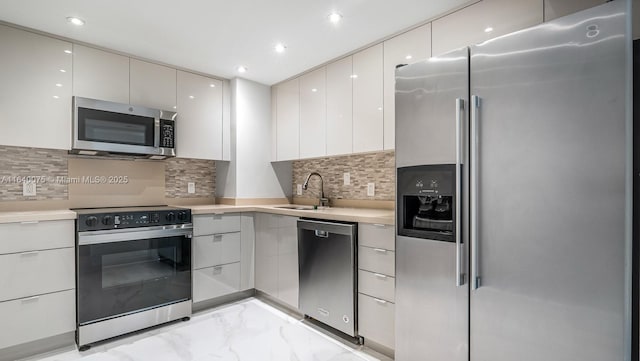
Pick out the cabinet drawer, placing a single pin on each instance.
(377, 285)
(34, 318)
(377, 236)
(214, 250)
(31, 236)
(377, 260)
(216, 281)
(376, 320)
(216, 223)
(37, 272)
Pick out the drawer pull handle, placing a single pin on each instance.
(30, 299)
(380, 275)
(27, 254)
(380, 250)
(380, 225)
(30, 222)
(382, 302)
(217, 270)
(217, 238)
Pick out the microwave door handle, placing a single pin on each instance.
(458, 193)
(474, 199)
(156, 128)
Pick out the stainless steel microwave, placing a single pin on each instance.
(107, 127)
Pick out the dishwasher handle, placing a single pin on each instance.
(324, 228)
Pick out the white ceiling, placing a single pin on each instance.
(215, 36)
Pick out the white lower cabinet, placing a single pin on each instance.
(376, 320)
(222, 255)
(33, 318)
(36, 272)
(376, 283)
(37, 281)
(277, 257)
(212, 282)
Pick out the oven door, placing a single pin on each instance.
(125, 271)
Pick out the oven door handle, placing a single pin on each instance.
(88, 238)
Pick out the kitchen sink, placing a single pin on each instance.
(298, 208)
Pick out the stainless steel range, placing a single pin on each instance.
(133, 270)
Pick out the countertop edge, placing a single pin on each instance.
(37, 216)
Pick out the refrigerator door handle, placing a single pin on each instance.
(475, 267)
(458, 195)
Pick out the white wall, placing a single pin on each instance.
(250, 173)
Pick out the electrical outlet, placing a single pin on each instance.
(299, 189)
(371, 189)
(191, 187)
(29, 189)
(347, 179)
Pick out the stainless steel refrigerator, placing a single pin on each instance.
(514, 197)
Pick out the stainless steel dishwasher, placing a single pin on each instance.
(328, 273)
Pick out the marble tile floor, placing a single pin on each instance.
(249, 330)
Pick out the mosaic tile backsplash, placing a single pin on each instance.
(47, 167)
(377, 168)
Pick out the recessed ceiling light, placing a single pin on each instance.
(175, 107)
(354, 76)
(334, 17)
(408, 57)
(68, 51)
(212, 85)
(75, 21)
(59, 85)
(379, 108)
(63, 71)
(242, 69)
(56, 97)
(488, 29)
(191, 97)
(314, 90)
(279, 48)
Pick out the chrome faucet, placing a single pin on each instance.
(322, 201)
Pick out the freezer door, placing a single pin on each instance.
(426, 94)
(431, 312)
(550, 153)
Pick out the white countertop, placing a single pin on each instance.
(36, 216)
(365, 215)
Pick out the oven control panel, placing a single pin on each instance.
(88, 221)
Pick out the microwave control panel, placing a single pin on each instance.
(167, 133)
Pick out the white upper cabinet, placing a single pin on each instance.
(406, 48)
(288, 120)
(368, 105)
(100, 75)
(152, 85)
(558, 8)
(199, 122)
(313, 114)
(35, 92)
(340, 107)
(482, 21)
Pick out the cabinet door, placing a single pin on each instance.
(558, 8)
(100, 75)
(340, 107)
(313, 114)
(367, 100)
(266, 279)
(470, 25)
(403, 49)
(288, 120)
(35, 92)
(288, 282)
(152, 85)
(199, 124)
